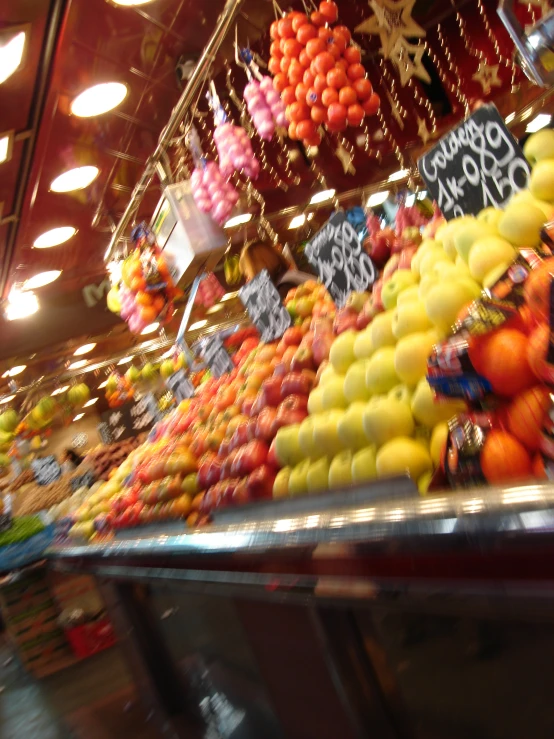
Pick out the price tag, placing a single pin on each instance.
(86, 480)
(131, 418)
(261, 299)
(180, 385)
(476, 165)
(341, 263)
(214, 354)
(46, 470)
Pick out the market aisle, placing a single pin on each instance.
(94, 699)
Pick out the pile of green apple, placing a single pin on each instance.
(373, 414)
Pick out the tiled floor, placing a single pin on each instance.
(94, 699)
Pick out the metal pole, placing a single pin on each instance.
(228, 15)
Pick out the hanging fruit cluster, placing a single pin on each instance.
(235, 151)
(118, 390)
(265, 107)
(212, 194)
(318, 71)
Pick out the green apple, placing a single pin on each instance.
(380, 374)
(474, 288)
(190, 484)
(327, 374)
(363, 465)
(318, 475)
(306, 438)
(426, 283)
(326, 432)
(411, 355)
(491, 216)
(363, 345)
(340, 470)
(425, 247)
(521, 224)
(438, 442)
(332, 395)
(487, 253)
(449, 232)
(342, 354)
(541, 183)
(407, 295)
(403, 456)
(433, 257)
(298, 478)
(281, 483)
(539, 146)
(423, 483)
(398, 281)
(451, 270)
(428, 412)
(547, 209)
(401, 392)
(315, 401)
(470, 232)
(422, 434)
(385, 418)
(495, 274)
(354, 381)
(381, 330)
(444, 302)
(351, 426)
(409, 318)
(287, 448)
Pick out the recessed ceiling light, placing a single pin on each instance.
(168, 353)
(102, 384)
(215, 308)
(17, 370)
(509, 118)
(399, 175)
(99, 99)
(128, 3)
(238, 220)
(78, 416)
(298, 221)
(60, 390)
(90, 402)
(125, 360)
(540, 121)
(229, 296)
(85, 349)
(198, 324)
(74, 179)
(11, 55)
(41, 279)
(79, 364)
(321, 197)
(6, 399)
(151, 328)
(378, 198)
(20, 305)
(54, 237)
(5, 148)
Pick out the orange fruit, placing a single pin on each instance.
(504, 458)
(501, 357)
(143, 298)
(537, 289)
(148, 314)
(538, 353)
(526, 415)
(138, 283)
(539, 473)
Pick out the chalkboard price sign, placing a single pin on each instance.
(265, 308)
(180, 385)
(130, 419)
(476, 165)
(47, 470)
(214, 354)
(342, 264)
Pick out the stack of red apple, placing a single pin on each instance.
(319, 74)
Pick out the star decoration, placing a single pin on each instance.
(392, 22)
(422, 130)
(408, 67)
(346, 160)
(395, 112)
(487, 76)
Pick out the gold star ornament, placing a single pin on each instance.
(345, 158)
(422, 130)
(407, 58)
(487, 76)
(392, 21)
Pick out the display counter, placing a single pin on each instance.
(414, 617)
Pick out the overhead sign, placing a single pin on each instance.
(130, 419)
(476, 165)
(263, 303)
(46, 470)
(180, 385)
(340, 260)
(214, 354)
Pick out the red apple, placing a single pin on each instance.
(271, 389)
(406, 256)
(264, 424)
(322, 346)
(260, 482)
(303, 359)
(297, 383)
(292, 336)
(344, 320)
(272, 460)
(391, 266)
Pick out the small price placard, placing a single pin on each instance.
(46, 470)
(476, 165)
(214, 354)
(263, 303)
(130, 418)
(180, 385)
(338, 256)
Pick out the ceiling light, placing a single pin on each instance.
(321, 197)
(99, 99)
(60, 390)
(540, 121)
(79, 364)
(298, 221)
(125, 360)
(17, 370)
(11, 55)
(215, 308)
(90, 402)
(198, 324)
(151, 328)
(21, 305)
(509, 118)
(169, 353)
(54, 237)
(74, 179)
(6, 399)
(238, 220)
(5, 148)
(78, 416)
(85, 349)
(378, 198)
(41, 279)
(229, 296)
(102, 384)
(129, 3)
(399, 175)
